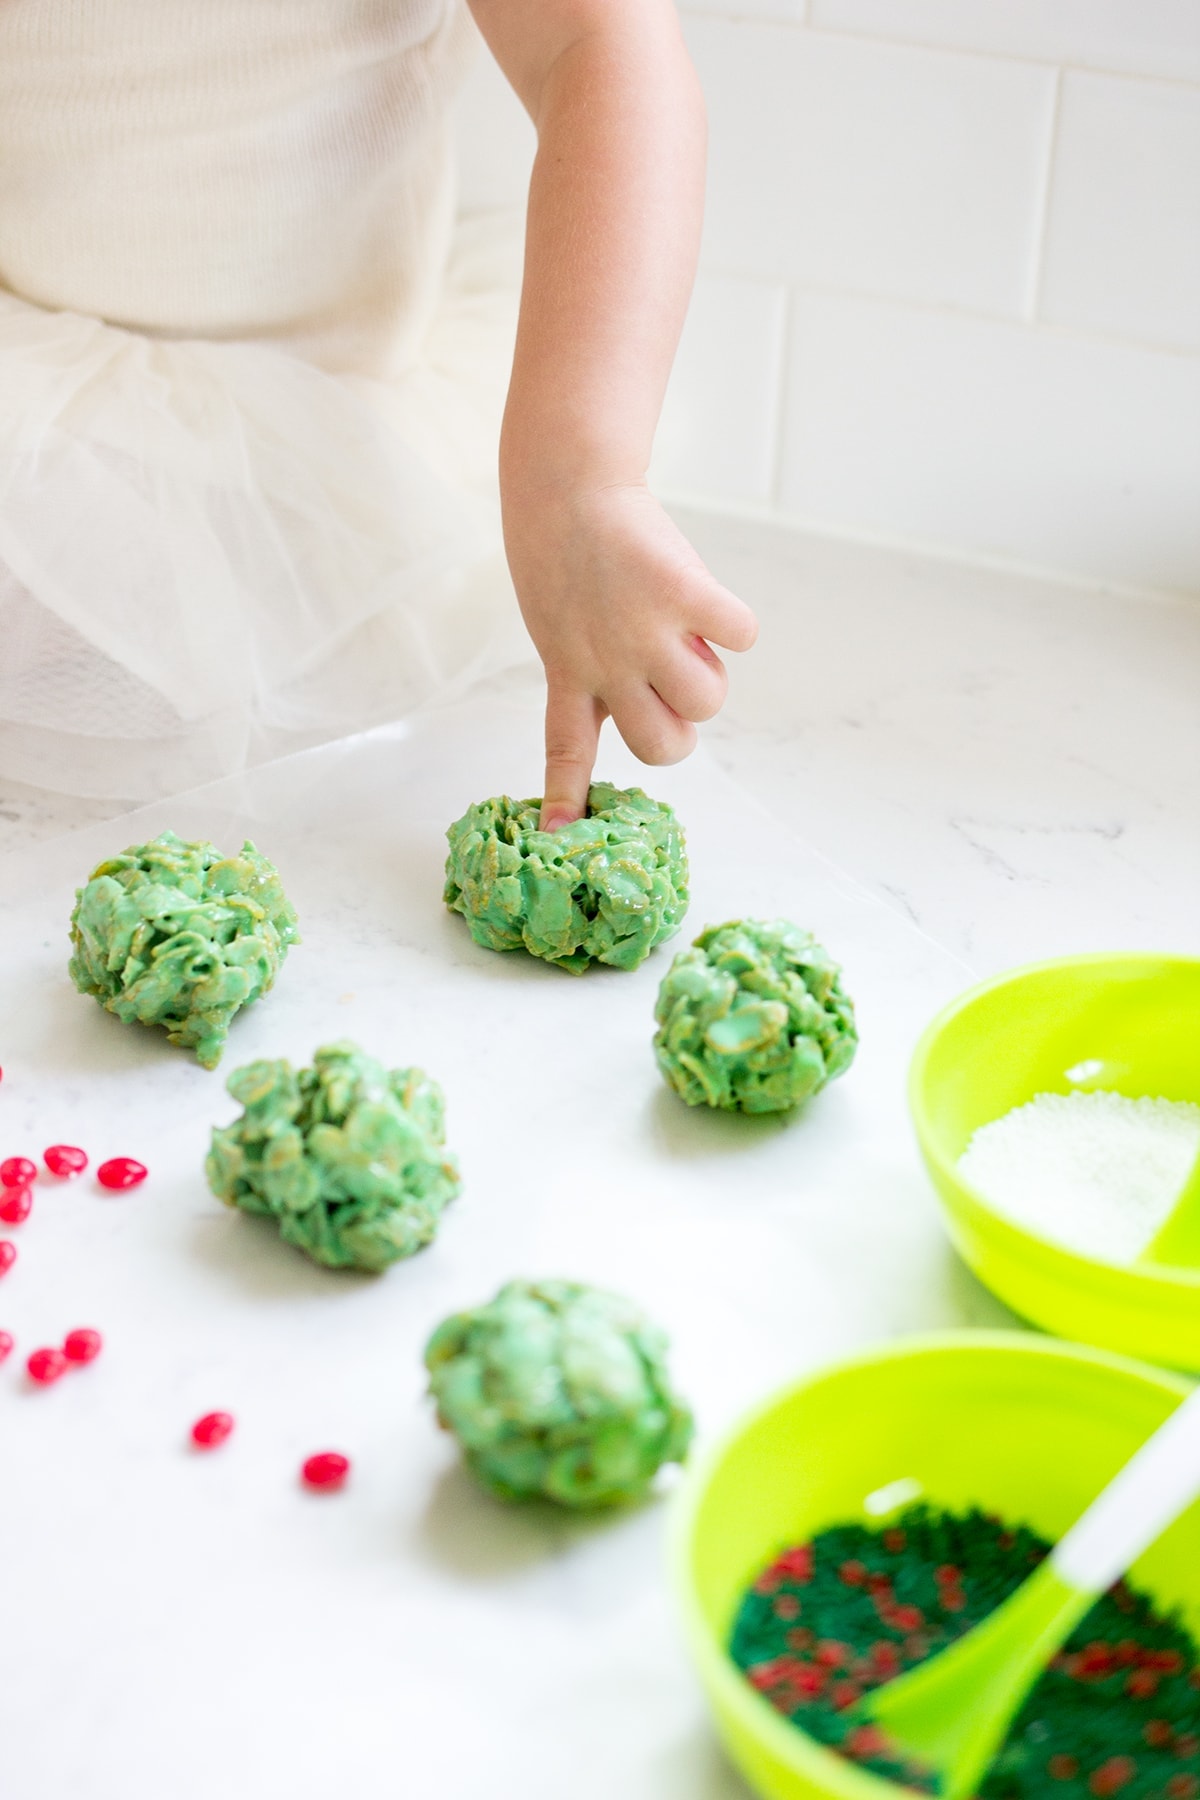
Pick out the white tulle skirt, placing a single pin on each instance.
(213, 553)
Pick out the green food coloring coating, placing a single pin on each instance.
(606, 889)
(753, 1018)
(172, 933)
(558, 1390)
(1116, 1711)
(347, 1156)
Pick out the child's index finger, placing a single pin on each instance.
(573, 720)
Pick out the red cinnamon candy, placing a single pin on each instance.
(82, 1345)
(65, 1159)
(121, 1172)
(212, 1430)
(327, 1469)
(16, 1204)
(46, 1365)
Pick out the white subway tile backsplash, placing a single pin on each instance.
(1123, 235)
(1138, 37)
(495, 140)
(718, 430)
(875, 167)
(1076, 454)
(898, 192)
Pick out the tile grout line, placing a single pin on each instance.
(1027, 59)
(1041, 215)
(800, 286)
(783, 370)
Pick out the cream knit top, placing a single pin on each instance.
(271, 169)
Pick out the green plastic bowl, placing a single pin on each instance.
(1127, 1022)
(1022, 1425)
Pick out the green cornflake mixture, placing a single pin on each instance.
(347, 1156)
(559, 1390)
(605, 889)
(1117, 1712)
(753, 1018)
(172, 933)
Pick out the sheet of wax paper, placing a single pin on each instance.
(183, 1625)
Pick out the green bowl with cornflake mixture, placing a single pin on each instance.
(1027, 1427)
(607, 889)
(1127, 1023)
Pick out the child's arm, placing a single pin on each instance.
(617, 602)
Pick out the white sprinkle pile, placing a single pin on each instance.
(1097, 1172)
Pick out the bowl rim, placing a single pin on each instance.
(755, 1715)
(1077, 1268)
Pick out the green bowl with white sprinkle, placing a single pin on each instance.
(1127, 1023)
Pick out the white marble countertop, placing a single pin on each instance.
(1008, 769)
(1014, 762)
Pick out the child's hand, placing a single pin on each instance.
(615, 598)
(621, 610)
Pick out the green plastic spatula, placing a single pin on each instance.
(1177, 1240)
(953, 1712)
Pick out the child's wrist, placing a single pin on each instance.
(551, 504)
(542, 463)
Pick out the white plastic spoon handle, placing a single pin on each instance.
(1136, 1507)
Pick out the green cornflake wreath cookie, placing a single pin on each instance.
(753, 1018)
(605, 889)
(347, 1156)
(172, 933)
(558, 1390)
